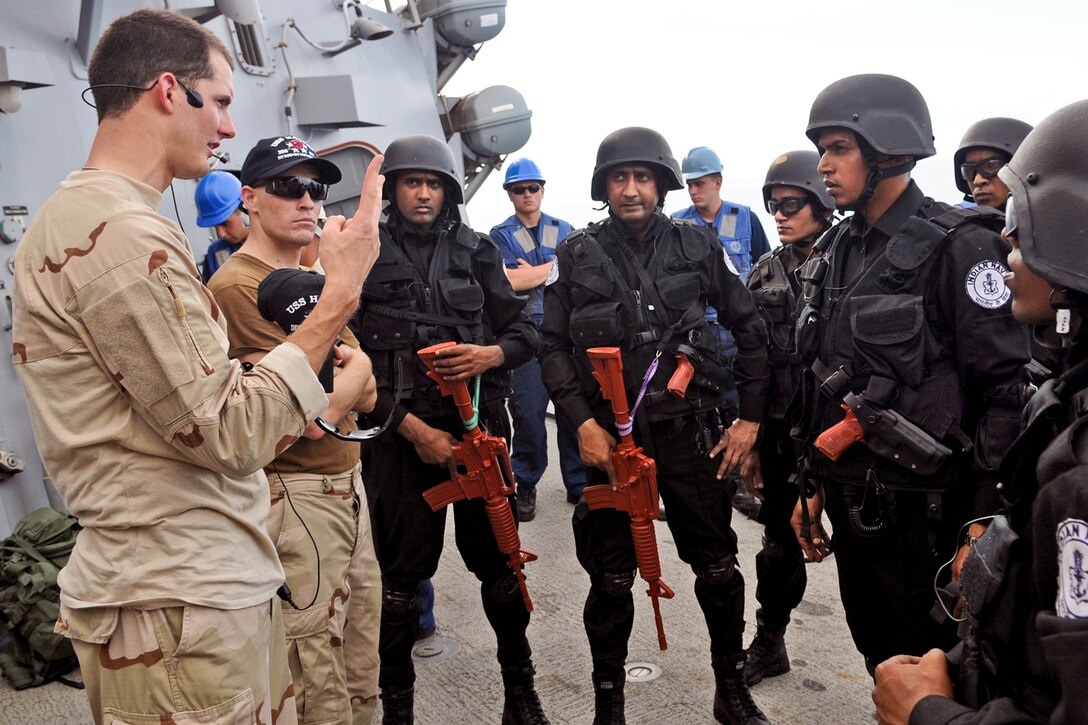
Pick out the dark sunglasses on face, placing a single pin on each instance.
(987, 168)
(789, 205)
(293, 187)
(519, 190)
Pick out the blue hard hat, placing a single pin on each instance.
(522, 170)
(217, 196)
(700, 162)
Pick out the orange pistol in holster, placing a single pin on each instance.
(678, 383)
(635, 490)
(834, 441)
(487, 474)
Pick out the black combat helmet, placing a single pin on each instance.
(798, 168)
(419, 152)
(1000, 134)
(636, 145)
(886, 111)
(1048, 180)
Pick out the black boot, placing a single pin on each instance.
(397, 705)
(522, 706)
(526, 503)
(608, 699)
(733, 703)
(766, 655)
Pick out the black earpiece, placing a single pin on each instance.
(195, 99)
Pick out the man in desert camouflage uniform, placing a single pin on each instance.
(333, 576)
(155, 438)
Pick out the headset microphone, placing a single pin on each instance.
(195, 99)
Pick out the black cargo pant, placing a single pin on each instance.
(699, 513)
(780, 565)
(886, 578)
(408, 539)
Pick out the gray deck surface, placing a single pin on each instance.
(827, 684)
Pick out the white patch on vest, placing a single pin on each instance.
(985, 284)
(553, 273)
(729, 262)
(1072, 538)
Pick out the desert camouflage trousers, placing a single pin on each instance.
(188, 665)
(332, 645)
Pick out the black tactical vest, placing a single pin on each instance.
(883, 334)
(665, 313)
(776, 300)
(404, 310)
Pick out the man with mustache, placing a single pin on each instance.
(641, 281)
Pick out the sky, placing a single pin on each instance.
(740, 77)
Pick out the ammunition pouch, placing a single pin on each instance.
(996, 586)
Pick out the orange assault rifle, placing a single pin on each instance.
(635, 489)
(487, 474)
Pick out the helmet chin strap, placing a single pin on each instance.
(877, 173)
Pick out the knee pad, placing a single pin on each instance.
(617, 585)
(399, 605)
(716, 573)
(503, 590)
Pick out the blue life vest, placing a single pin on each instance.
(515, 241)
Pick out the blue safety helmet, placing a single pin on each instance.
(217, 196)
(522, 170)
(700, 162)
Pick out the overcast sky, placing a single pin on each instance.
(740, 77)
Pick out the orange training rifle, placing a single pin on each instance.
(487, 473)
(635, 489)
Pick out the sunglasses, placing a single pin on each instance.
(293, 187)
(789, 205)
(987, 168)
(519, 190)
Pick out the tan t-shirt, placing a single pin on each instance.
(235, 288)
(153, 436)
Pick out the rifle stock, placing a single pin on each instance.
(635, 489)
(486, 474)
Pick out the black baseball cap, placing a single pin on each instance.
(270, 157)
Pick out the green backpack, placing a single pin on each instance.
(30, 560)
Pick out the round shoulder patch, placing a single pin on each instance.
(553, 273)
(729, 262)
(1072, 538)
(985, 284)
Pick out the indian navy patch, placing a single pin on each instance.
(985, 284)
(553, 273)
(729, 262)
(1072, 569)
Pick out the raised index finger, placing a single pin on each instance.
(370, 199)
